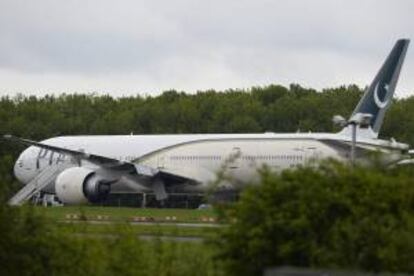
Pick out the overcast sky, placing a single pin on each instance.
(128, 47)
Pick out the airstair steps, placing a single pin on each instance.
(43, 179)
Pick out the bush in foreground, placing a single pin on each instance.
(332, 216)
(32, 245)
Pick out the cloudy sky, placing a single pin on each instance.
(128, 47)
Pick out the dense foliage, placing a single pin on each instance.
(32, 245)
(331, 216)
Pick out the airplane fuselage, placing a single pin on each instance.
(201, 156)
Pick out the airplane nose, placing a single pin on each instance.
(19, 171)
(23, 170)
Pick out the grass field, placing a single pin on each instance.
(127, 214)
(152, 230)
(98, 221)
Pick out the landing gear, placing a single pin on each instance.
(159, 189)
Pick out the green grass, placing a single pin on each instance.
(115, 220)
(125, 214)
(156, 230)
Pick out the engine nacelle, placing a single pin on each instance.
(79, 185)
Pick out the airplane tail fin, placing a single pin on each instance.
(378, 95)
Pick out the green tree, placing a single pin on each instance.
(330, 216)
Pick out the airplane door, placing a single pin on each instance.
(312, 154)
(41, 158)
(161, 161)
(235, 158)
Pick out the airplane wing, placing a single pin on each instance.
(106, 162)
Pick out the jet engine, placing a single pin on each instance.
(79, 185)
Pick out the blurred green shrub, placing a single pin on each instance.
(331, 216)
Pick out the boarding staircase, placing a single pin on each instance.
(42, 180)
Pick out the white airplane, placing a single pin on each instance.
(80, 169)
